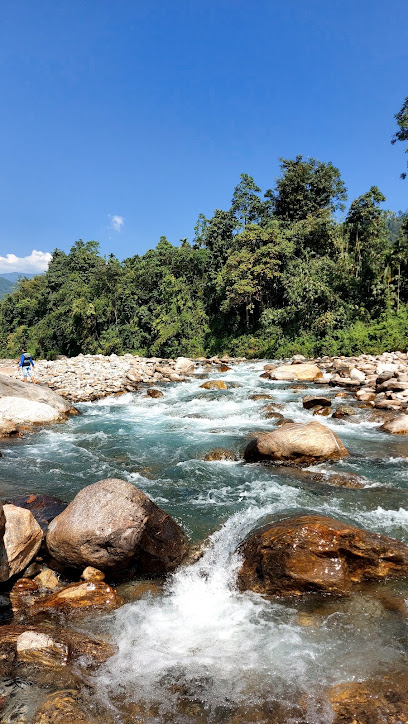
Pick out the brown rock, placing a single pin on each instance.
(63, 707)
(313, 553)
(92, 574)
(220, 454)
(397, 426)
(316, 401)
(296, 443)
(113, 526)
(379, 701)
(261, 397)
(152, 392)
(224, 368)
(323, 411)
(21, 541)
(214, 385)
(78, 597)
(47, 579)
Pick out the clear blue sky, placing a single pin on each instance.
(140, 114)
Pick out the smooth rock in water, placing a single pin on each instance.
(78, 598)
(154, 393)
(35, 647)
(214, 385)
(296, 443)
(8, 428)
(20, 542)
(323, 411)
(313, 553)
(225, 368)
(24, 641)
(113, 526)
(220, 454)
(43, 507)
(18, 411)
(315, 401)
(303, 372)
(345, 411)
(397, 426)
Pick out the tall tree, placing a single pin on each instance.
(306, 187)
(402, 133)
(246, 205)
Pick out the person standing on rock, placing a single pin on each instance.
(26, 362)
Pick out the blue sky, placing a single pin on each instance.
(122, 120)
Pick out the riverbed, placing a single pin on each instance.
(196, 649)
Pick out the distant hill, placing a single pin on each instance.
(13, 277)
(5, 287)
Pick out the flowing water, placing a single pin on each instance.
(198, 650)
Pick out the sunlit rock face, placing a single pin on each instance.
(314, 553)
(296, 442)
(113, 526)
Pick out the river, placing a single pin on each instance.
(197, 650)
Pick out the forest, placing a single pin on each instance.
(288, 270)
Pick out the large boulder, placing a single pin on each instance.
(184, 365)
(377, 701)
(314, 553)
(397, 426)
(296, 443)
(113, 526)
(20, 541)
(304, 372)
(27, 404)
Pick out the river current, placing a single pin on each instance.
(195, 649)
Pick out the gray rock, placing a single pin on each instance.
(113, 526)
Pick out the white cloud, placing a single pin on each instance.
(117, 222)
(35, 263)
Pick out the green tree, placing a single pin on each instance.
(402, 133)
(307, 187)
(246, 205)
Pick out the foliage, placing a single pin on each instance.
(265, 278)
(402, 121)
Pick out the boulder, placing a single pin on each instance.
(113, 526)
(261, 396)
(296, 443)
(27, 404)
(20, 542)
(357, 375)
(41, 394)
(397, 426)
(304, 372)
(154, 393)
(315, 401)
(314, 553)
(184, 365)
(17, 411)
(214, 385)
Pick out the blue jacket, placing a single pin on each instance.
(27, 359)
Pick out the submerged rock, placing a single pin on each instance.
(154, 393)
(220, 454)
(314, 553)
(20, 541)
(296, 443)
(113, 526)
(63, 707)
(78, 598)
(214, 385)
(379, 701)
